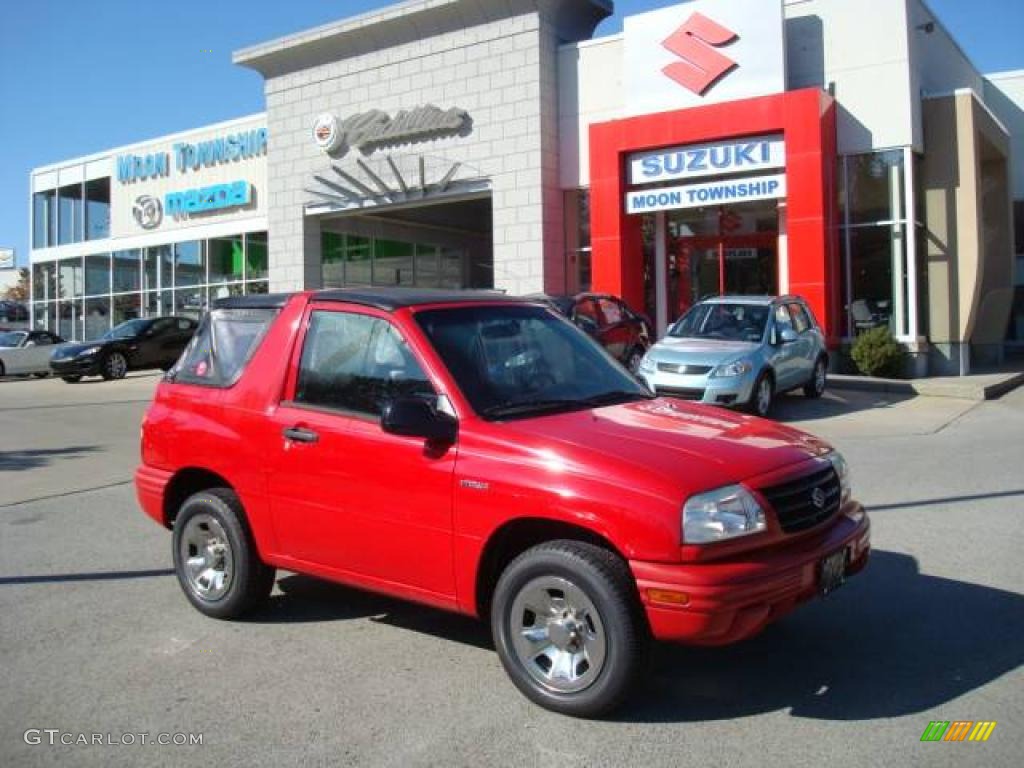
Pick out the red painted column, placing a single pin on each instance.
(806, 118)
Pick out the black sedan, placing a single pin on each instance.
(625, 333)
(152, 342)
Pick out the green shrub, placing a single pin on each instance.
(877, 353)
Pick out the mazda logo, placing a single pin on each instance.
(147, 211)
(818, 498)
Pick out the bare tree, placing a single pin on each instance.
(18, 291)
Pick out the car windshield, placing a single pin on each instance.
(12, 338)
(731, 322)
(126, 329)
(516, 361)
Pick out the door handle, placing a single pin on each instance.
(300, 435)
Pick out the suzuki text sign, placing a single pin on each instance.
(757, 153)
(703, 52)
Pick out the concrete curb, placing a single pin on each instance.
(979, 388)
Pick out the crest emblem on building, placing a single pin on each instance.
(147, 211)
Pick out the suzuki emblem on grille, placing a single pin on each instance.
(818, 498)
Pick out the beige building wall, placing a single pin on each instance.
(967, 209)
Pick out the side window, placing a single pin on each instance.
(185, 325)
(220, 349)
(782, 318)
(356, 363)
(41, 339)
(161, 327)
(612, 311)
(800, 321)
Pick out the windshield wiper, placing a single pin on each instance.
(616, 396)
(519, 407)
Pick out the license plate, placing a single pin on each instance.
(832, 571)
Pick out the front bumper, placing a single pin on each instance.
(731, 600)
(731, 390)
(75, 366)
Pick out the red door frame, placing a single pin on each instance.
(807, 120)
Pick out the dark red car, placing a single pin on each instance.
(481, 455)
(625, 333)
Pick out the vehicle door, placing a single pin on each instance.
(805, 347)
(345, 494)
(586, 317)
(783, 353)
(150, 347)
(37, 350)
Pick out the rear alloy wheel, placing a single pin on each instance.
(72, 379)
(633, 361)
(215, 557)
(816, 386)
(567, 627)
(115, 366)
(762, 396)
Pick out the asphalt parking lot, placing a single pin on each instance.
(96, 637)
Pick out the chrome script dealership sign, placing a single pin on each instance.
(375, 128)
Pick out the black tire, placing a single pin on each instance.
(604, 579)
(761, 402)
(815, 387)
(114, 366)
(249, 580)
(633, 360)
(3, 371)
(41, 375)
(72, 379)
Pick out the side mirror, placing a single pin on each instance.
(788, 336)
(30, 343)
(415, 417)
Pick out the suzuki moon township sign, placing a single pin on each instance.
(703, 52)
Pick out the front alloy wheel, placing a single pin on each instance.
(568, 627)
(633, 361)
(115, 366)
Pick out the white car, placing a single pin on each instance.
(27, 352)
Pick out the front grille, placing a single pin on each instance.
(683, 393)
(793, 501)
(689, 370)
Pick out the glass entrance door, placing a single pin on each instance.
(721, 250)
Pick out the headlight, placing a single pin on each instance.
(647, 364)
(88, 351)
(843, 471)
(721, 514)
(738, 368)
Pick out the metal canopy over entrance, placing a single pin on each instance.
(392, 180)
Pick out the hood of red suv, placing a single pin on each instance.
(693, 446)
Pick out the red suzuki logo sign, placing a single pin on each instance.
(702, 52)
(700, 65)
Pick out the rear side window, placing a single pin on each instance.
(220, 349)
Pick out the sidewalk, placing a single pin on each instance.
(978, 386)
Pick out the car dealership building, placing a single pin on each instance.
(845, 151)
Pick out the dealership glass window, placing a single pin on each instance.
(189, 267)
(393, 263)
(358, 260)
(44, 315)
(97, 209)
(190, 302)
(44, 219)
(69, 277)
(226, 256)
(256, 255)
(126, 307)
(332, 259)
(97, 274)
(453, 269)
(97, 318)
(69, 214)
(126, 275)
(428, 266)
(156, 303)
(878, 261)
(577, 240)
(259, 287)
(44, 281)
(225, 291)
(69, 318)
